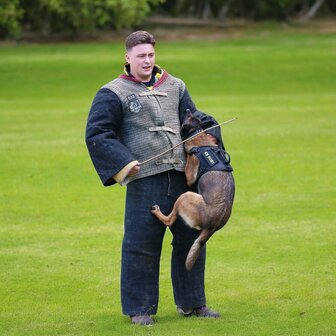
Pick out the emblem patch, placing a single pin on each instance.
(134, 103)
(210, 158)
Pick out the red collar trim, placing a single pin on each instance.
(162, 79)
(130, 78)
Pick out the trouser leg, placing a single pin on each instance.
(142, 244)
(188, 286)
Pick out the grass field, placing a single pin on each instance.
(270, 271)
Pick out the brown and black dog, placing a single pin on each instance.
(210, 208)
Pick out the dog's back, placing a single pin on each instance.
(210, 167)
(217, 189)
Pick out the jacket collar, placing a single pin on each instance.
(158, 76)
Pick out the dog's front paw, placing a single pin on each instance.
(155, 209)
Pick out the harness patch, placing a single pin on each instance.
(210, 159)
(134, 103)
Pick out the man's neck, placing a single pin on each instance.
(150, 82)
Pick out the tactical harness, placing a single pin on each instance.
(211, 158)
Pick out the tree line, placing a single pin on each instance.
(72, 17)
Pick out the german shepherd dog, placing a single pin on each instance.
(210, 208)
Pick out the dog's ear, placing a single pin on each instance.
(191, 118)
(190, 124)
(185, 131)
(189, 114)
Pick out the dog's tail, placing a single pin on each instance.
(196, 247)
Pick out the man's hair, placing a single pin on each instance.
(139, 37)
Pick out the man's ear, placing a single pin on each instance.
(127, 57)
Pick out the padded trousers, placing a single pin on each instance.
(142, 245)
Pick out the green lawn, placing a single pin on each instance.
(270, 271)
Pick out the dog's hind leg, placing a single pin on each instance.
(166, 220)
(187, 206)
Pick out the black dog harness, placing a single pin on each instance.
(211, 158)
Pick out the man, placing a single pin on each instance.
(133, 118)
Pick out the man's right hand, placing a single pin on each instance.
(135, 170)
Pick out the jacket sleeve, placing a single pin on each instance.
(186, 103)
(108, 154)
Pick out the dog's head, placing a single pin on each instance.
(190, 124)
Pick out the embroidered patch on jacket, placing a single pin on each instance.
(134, 103)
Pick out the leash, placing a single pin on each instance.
(182, 142)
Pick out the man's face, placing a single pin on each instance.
(141, 59)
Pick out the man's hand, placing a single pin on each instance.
(135, 170)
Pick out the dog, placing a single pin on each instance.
(210, 208)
